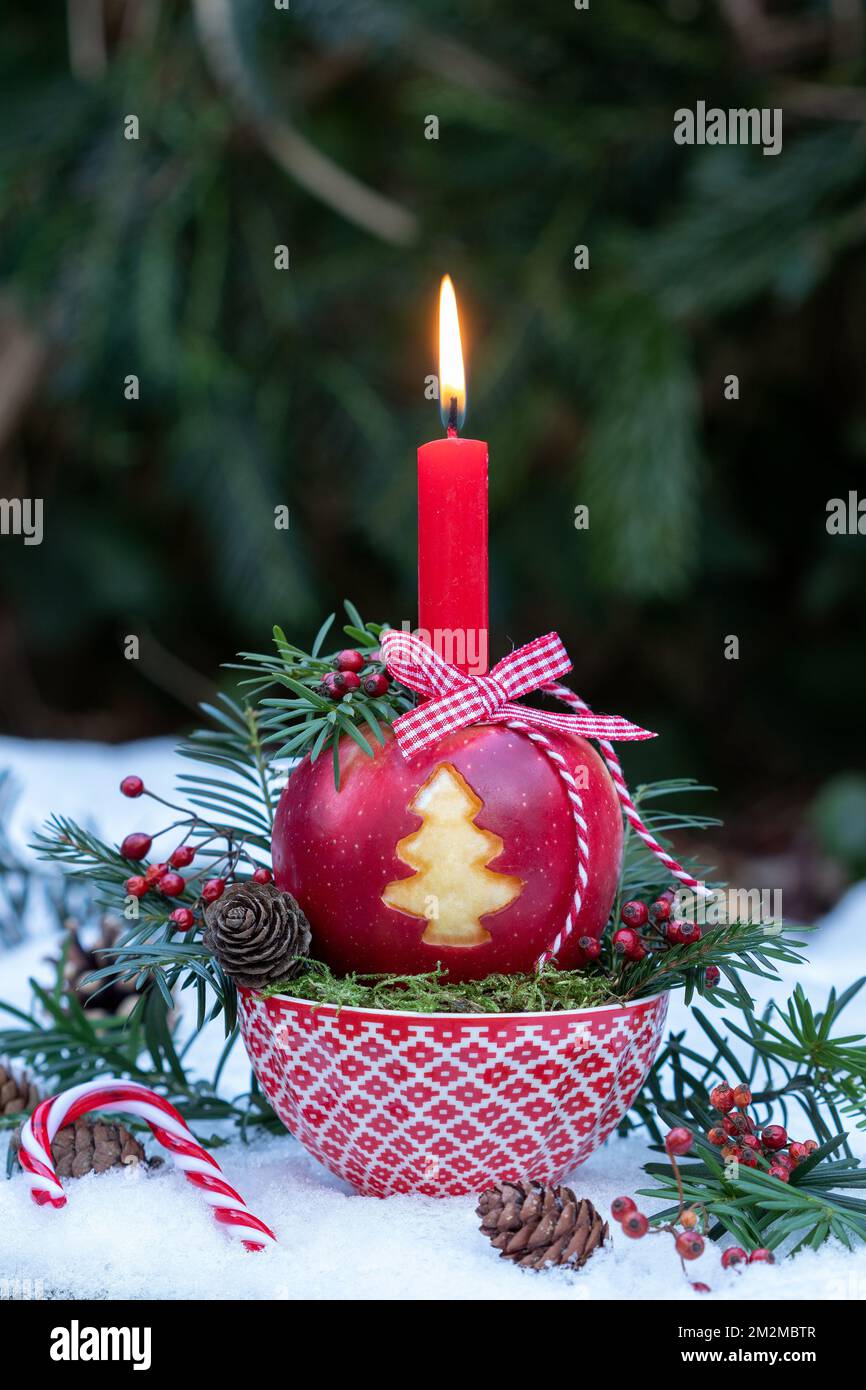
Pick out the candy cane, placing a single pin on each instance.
(196, 1164)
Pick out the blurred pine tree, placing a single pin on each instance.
(261, 127)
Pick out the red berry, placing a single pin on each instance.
(712, 977)
(376, 684)
(797, 1152)
(132, 786)
(734, 1151)
(749, 1158)
(621, 1207)
(182, 917)
(679, 1140)
(750, 1141)
(349, 660)
(660, 910)
(683, 933)
(701, 1288)
(690, 1245)
(810, 1145)
(718, 1137)
(171, 885)
(689, 1219)
(737, 1124)
(182, 857)
(136, 846)
(590, 947)
(733, 1256)
(784, 1159)
(137, 886)
(722, 1098)
(762, 1256)
(263, 876)
(213, 889)
(155, 872)
(634, 914)
(774, 1137)
(350, 680)
(635, 1225)
(333, 686)
(627, 943)
(778, 1170)
(742, 1096)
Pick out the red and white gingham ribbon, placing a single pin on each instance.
(454, 700)
(129, 1097)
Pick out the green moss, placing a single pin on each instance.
(433, 994)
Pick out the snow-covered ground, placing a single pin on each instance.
(130, 1236)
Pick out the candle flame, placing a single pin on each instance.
(452, 377)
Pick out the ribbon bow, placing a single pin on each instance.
(455, 700)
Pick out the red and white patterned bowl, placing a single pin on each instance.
(445, 1104)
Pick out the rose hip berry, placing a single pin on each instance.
(376, 684)
(774, 1137)
(333, 686)
(762, 1256)
(679, 1140)
(182, 917)
(797, 1152)
(690, 1245)
(621, 1207)
(263, 875)
(182, 857)
(634, 914)
(722, 1098)
(635, 1225)
(733, 1257)
(712, 976)
(717, 1137)
(778, 1170)
(628, 944)
(137, 886)
(742, 1097)
(132, 786)
(136, 846)
(213, 889)
(350, 680)
(689, 1219)
(171, 885)
(155, 872)
(349, 660)
(590, 947)
(660, 910)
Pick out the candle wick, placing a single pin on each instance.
(452, 419)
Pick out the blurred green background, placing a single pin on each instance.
(261, 127)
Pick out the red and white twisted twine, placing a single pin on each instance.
(454, 700)
(169, 1127)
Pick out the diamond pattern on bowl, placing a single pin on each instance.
(445, 1106)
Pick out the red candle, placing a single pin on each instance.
(452, 517)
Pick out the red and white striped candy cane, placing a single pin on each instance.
(131, 1098)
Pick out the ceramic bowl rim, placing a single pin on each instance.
(414, 1015)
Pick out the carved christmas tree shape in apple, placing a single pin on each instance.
(452, 886)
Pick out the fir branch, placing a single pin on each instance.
(306, 720)
(756, 1208)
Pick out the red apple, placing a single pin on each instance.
(464, 854)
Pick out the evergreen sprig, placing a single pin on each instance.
(757, 1209)
(793, 1061)
(308, 722)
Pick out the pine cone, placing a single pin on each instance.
(94, 1146)
(534, 1225)
(98, 997)
(18, 1095)
(255, 931)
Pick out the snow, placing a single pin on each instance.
(131, 1235)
